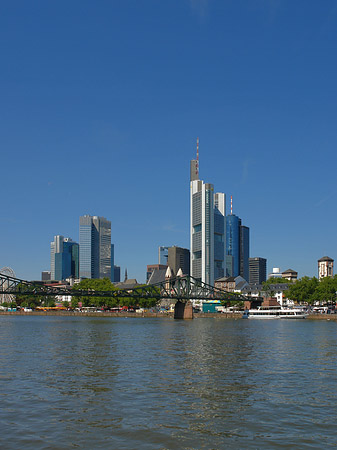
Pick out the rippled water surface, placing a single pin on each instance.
(124, 383)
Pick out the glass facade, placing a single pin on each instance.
(162, 255)
(95, 247)
(64, 258)
(233, 224)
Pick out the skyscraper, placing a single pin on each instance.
(207, 227)
(95, 247)
(257, 270)
(233, 224)
(237, 247)
(244, 252)
(64, 258)
(179, 258)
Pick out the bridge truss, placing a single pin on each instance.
(181, 288)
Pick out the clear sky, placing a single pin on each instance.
(101, 104)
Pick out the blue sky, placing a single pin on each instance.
(102, 102)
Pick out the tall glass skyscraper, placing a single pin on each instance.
(64, 258)
(207, 228)
(237, 248)
(233, 224)
(95, 247)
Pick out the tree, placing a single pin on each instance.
(303, 290)
(96, 285)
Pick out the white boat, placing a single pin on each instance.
(274, 312)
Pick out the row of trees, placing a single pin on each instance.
(110, 302)
(105, 284)
(309, 290)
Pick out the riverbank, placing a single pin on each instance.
(218, 316)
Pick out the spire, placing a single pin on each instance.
(231, 204)
(126, 274)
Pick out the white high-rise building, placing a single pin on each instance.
(207, 228)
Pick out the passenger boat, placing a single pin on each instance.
(274, 312)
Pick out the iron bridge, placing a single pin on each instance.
(180, 288)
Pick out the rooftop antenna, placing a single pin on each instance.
(197, 165)
(231, 205)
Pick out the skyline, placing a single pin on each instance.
(101, 107)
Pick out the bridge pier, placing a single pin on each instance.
(183, 310)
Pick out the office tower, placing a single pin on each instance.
(207, 234)
(117, 274)
(257, 270)
(162, 255)
(244, 252)
(237, 247)
(64, 258)
(325, 267)
(179, 258)
(95, 247)
(233, 224)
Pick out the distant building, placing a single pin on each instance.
(257, 270)
(179, 258)
(231, 284)
(275, 273)
(95, 247)
(162, 255)
(64, 258)
(325, 267)
(150, 268)
(117, 274)
(273, 290)
(290, 275)
(46, 275)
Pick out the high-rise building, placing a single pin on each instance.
(95, 247)
(233, 224)
(237, 247)
(244, 252)
(162, 255)
(179, 258)
(207, 227)
(64, 258)
(257, 270)
(117, 274)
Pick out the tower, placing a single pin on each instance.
(257, 270)
(207, 227)
(95, 247)
(237, 246)
(325, 267)
(64, 258)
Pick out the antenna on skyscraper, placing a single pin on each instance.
(197, 165)
(231, 204)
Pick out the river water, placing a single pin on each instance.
(133, 383)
